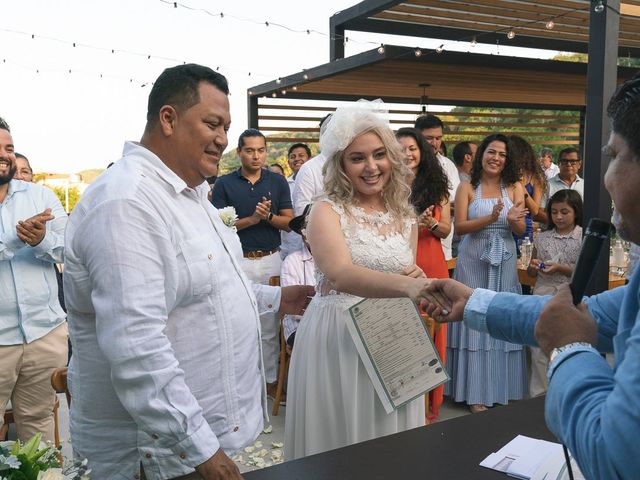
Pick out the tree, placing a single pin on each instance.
(74, 196)
(584, 58)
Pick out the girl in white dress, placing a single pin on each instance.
(363, 237)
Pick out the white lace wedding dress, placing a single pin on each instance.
(331, 402)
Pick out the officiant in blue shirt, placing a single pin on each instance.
(592, 407)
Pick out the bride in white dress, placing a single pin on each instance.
(363, 237)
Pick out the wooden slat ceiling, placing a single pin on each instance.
(461, 83)
(527, 18)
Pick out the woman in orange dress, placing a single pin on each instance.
(430, 197)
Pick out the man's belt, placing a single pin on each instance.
(255, 254)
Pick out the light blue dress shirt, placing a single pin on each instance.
(592, 408)
(29, 306)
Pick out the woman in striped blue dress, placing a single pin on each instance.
(489, 209)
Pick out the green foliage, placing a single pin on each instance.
(584, 58)
(458, 133)
(74, 196)
(88, 176)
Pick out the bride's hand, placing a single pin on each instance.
(414, 271)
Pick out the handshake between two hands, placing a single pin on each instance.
(444, 299)
(560, 322)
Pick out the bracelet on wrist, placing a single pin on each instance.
(270, 217)
(434, 227)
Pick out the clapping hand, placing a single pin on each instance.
(497, 208)
(33, 230)
(426, 219)
(517, 212)
(263, 208)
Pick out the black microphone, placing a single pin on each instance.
(594, 238)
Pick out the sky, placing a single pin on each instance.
(72, 108)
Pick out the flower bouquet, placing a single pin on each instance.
(35, 460)
(229, 217)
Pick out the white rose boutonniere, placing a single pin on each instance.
(229, 217)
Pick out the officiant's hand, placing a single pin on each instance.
(219, 467)
(454, 294)
(295, 298)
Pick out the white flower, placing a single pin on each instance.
(9, 462)
(51, 474)
(228, 217)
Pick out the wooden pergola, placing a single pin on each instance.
(605, 29)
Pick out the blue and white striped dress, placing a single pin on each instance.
(485, 370)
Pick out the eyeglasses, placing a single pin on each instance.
(569, 162)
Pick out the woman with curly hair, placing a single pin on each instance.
(430, 198)
(363, 235)
(533, 179)
(489, 209)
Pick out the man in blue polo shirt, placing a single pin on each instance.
(263, 204)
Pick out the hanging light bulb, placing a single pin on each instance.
(305, 76)
(294, 88)
(550, 24)
(511, 34)
(279, 81)
(440, 49)
(417, 52)
(250, 92)
(381, 49)
(474, 42)
(284, 92)
(273, 94)
(599, 8)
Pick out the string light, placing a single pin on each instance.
(599, 8)
(113, 51)
(294, 88)
(550, 24)
(417, 52)
(279, 80)
(306, 31)
(474, 42)
(381, 49)
(511, 34)
(284, 92)
(305, 76)
(440, 49)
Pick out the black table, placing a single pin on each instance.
(450, 449)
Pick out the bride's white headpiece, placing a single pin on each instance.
(349, 121)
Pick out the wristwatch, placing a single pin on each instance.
(270, 216)
(557, 351)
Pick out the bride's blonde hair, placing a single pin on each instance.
(344, 126)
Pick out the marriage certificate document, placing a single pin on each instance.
(396, 349)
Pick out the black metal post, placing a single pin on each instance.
(601, 82)
(252, 111)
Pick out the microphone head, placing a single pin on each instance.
(598, 228)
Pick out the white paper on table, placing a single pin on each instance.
(529, 458)
(555, 468)
(396, 349)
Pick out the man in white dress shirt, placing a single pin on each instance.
(309, 180)
(431, 128)
(549, 168)
(166, 373)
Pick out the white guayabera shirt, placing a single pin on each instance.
(165, 327)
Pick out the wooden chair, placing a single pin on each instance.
(285, 357)
(9, 418)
